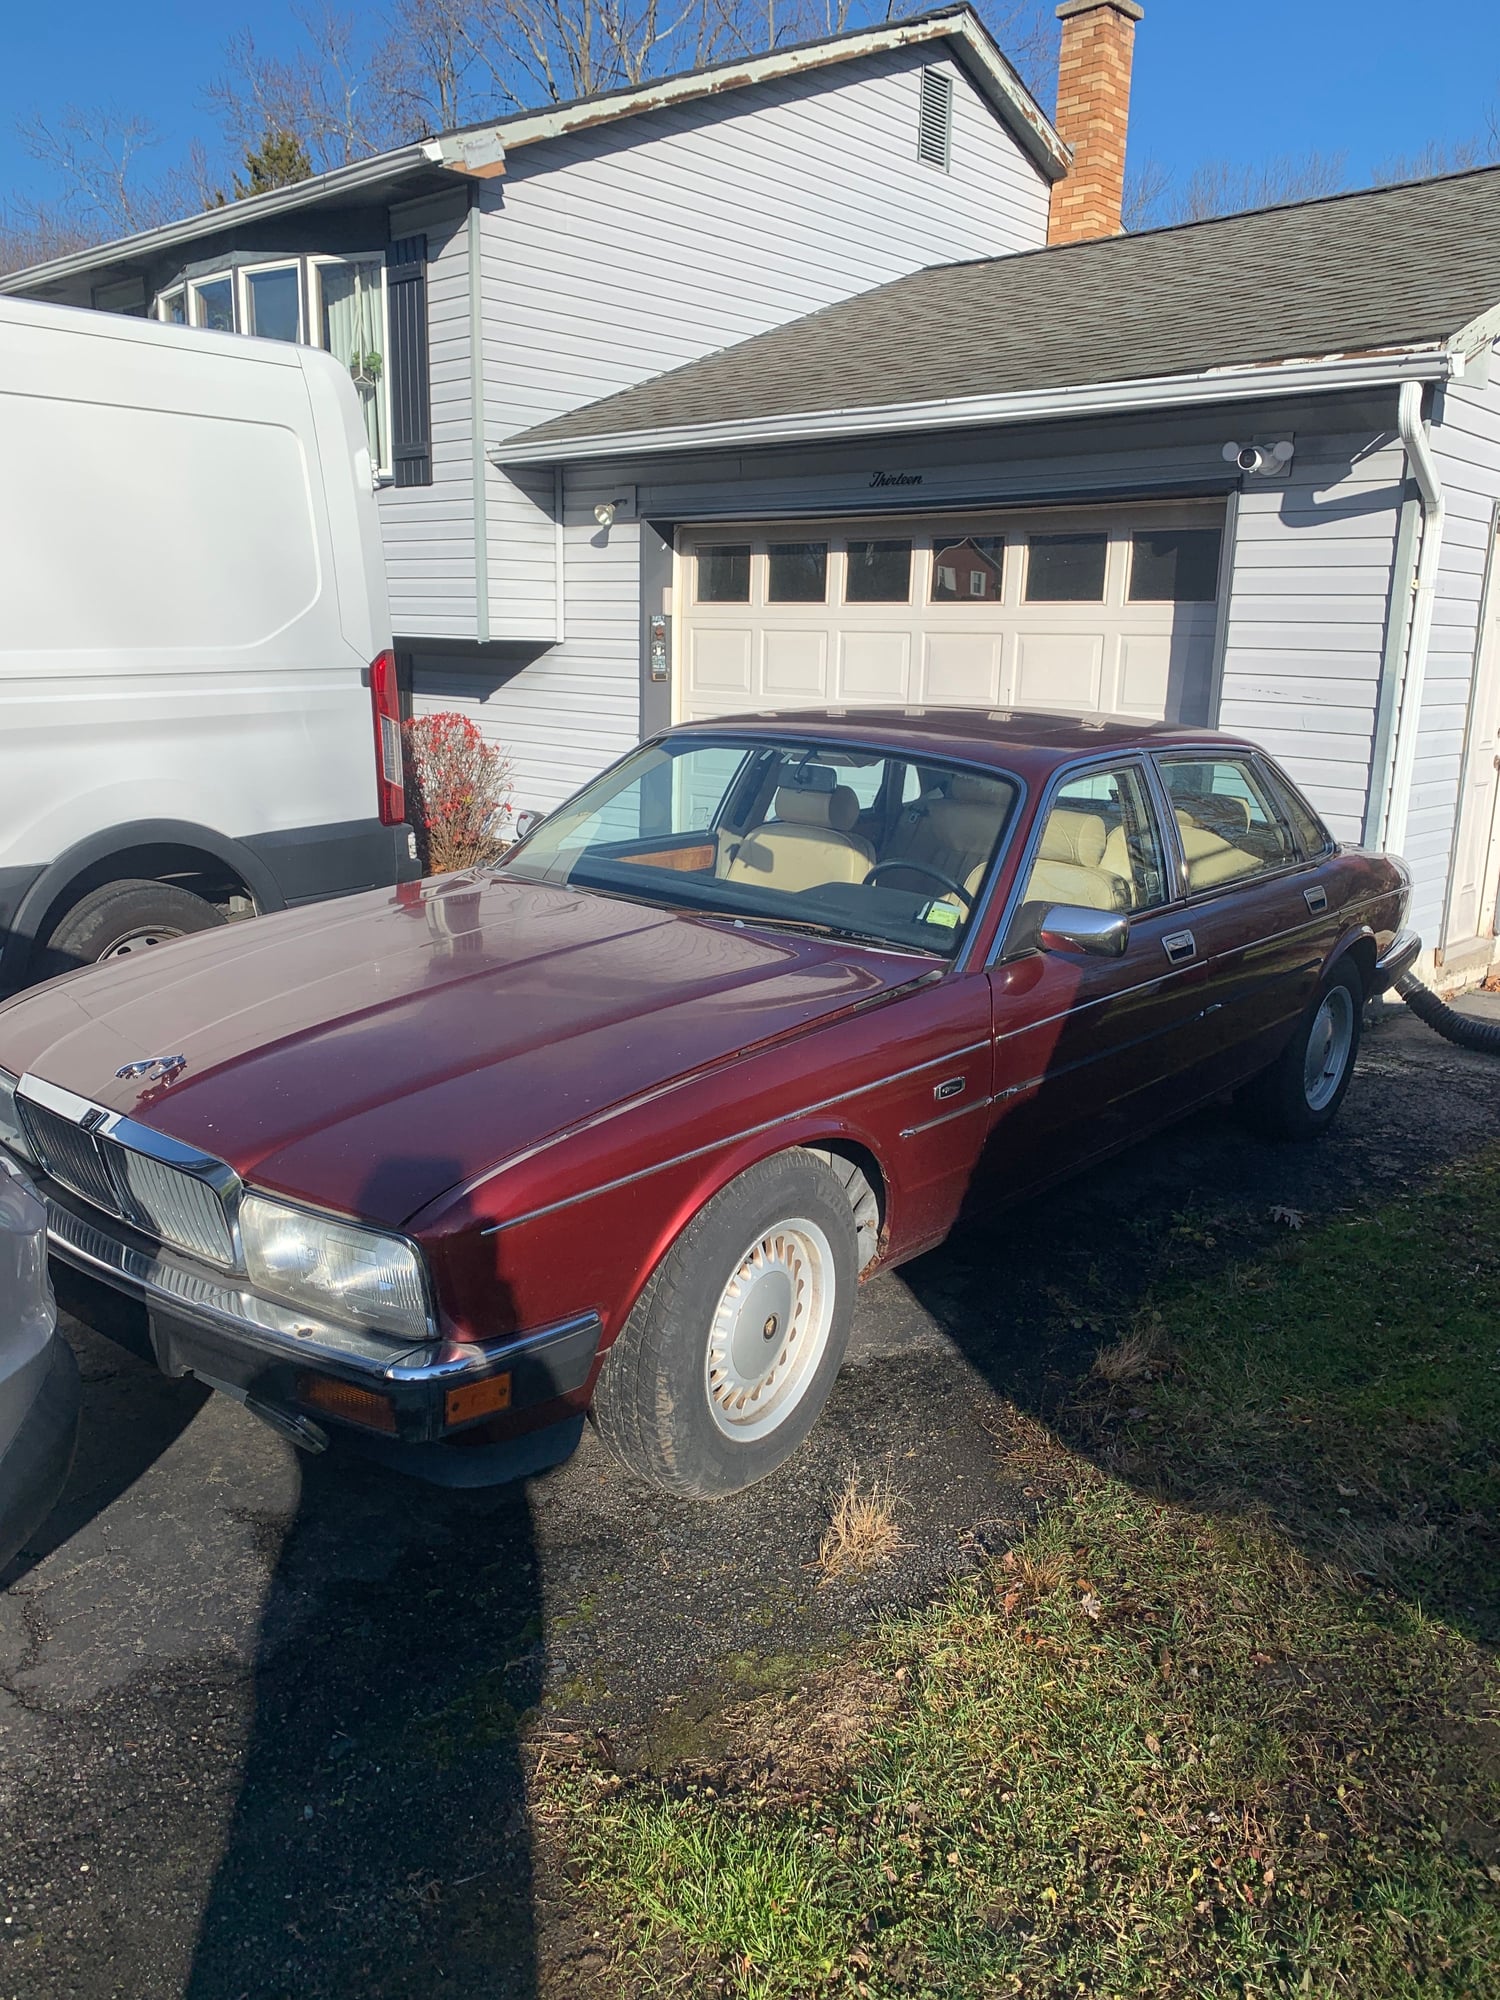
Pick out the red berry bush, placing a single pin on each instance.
(458, 792)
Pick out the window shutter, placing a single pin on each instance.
(411, 389)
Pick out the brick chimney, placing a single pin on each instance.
(1093, 115)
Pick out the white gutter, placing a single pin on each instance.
(279, 201)
(480, 150)
(1158, 392)
(480, 469)
(1424, 590)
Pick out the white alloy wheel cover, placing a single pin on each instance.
(770, 1330)
(1328, 1046)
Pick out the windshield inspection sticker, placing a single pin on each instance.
(940, 913)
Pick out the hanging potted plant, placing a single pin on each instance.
(364, 369)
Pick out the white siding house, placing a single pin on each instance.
(1112, 386)
(567, 254)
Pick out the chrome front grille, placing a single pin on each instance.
(71, 1156)
(91, 1154)
(182, 1209)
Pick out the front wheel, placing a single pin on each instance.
(1299, 1095)
(733, 1348)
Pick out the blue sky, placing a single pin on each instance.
(1238, 79)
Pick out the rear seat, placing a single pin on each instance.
(1211, 860)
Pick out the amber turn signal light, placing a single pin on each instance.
(476, 1399)
(344, 1399)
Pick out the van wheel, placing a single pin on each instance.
(124, 918)
(730, 1354)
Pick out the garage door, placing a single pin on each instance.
(1081, 611)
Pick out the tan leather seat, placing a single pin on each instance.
(1212, 860)
(805, 844)
(951, 830)
(1070, 864)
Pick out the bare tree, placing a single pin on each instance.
(1223, 187)
(34, 233)
(332, 94)
(97, 158)
(1436, 157)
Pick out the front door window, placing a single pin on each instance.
(1100, 848)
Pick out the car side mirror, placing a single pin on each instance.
(1068, 927)
(527, 823)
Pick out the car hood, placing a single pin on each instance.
(370, 1054)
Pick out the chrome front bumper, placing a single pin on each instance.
(1399, 956)
(214, 1328)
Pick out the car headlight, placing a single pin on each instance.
(335, 1267)
(11, 1134)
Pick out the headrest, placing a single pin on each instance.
(968, 790)
(1215, 809)
(1073, 836)
(837, 810)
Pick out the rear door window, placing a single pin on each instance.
(1227, 824)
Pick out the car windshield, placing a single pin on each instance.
(874, 844)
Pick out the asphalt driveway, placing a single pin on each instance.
(266, 1723)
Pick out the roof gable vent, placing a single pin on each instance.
(935, 119)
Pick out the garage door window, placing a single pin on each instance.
(1174, 566)
(724, 575)
(1066, 569)
(797, 573)
(878, 573)
(970, 571)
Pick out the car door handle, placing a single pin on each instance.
(1180, 946)
(1316, 899)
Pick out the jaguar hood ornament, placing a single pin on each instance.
(153, 1069)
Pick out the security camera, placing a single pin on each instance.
(1266, 459)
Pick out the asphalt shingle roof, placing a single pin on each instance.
(1349, 274)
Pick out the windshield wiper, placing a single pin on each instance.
(816, 925)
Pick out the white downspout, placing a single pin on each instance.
(1424, 591)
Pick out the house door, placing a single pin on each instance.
(1476, 860)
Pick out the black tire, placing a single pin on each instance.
(1284, 1101)
(123, 918)
(653, 1405)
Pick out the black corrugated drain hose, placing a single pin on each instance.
(1460, 1029)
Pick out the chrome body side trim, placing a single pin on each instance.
(948, 1117)
(729, 1139)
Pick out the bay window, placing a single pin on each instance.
(336, 303)
(351, 325)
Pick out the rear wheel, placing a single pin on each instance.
(1299, 1095)
(732, 1350)
(124, 918)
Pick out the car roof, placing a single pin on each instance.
(1032, 740)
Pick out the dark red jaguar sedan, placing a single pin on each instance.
(623, 1122)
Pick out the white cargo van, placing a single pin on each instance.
(198, 707)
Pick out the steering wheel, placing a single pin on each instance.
(921, 868)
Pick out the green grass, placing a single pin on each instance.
(1225, 1723)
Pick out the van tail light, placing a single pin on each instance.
(389, 776)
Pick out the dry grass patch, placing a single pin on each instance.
(862, 1532)
(1142, 1355)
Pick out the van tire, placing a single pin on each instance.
(123, 918)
